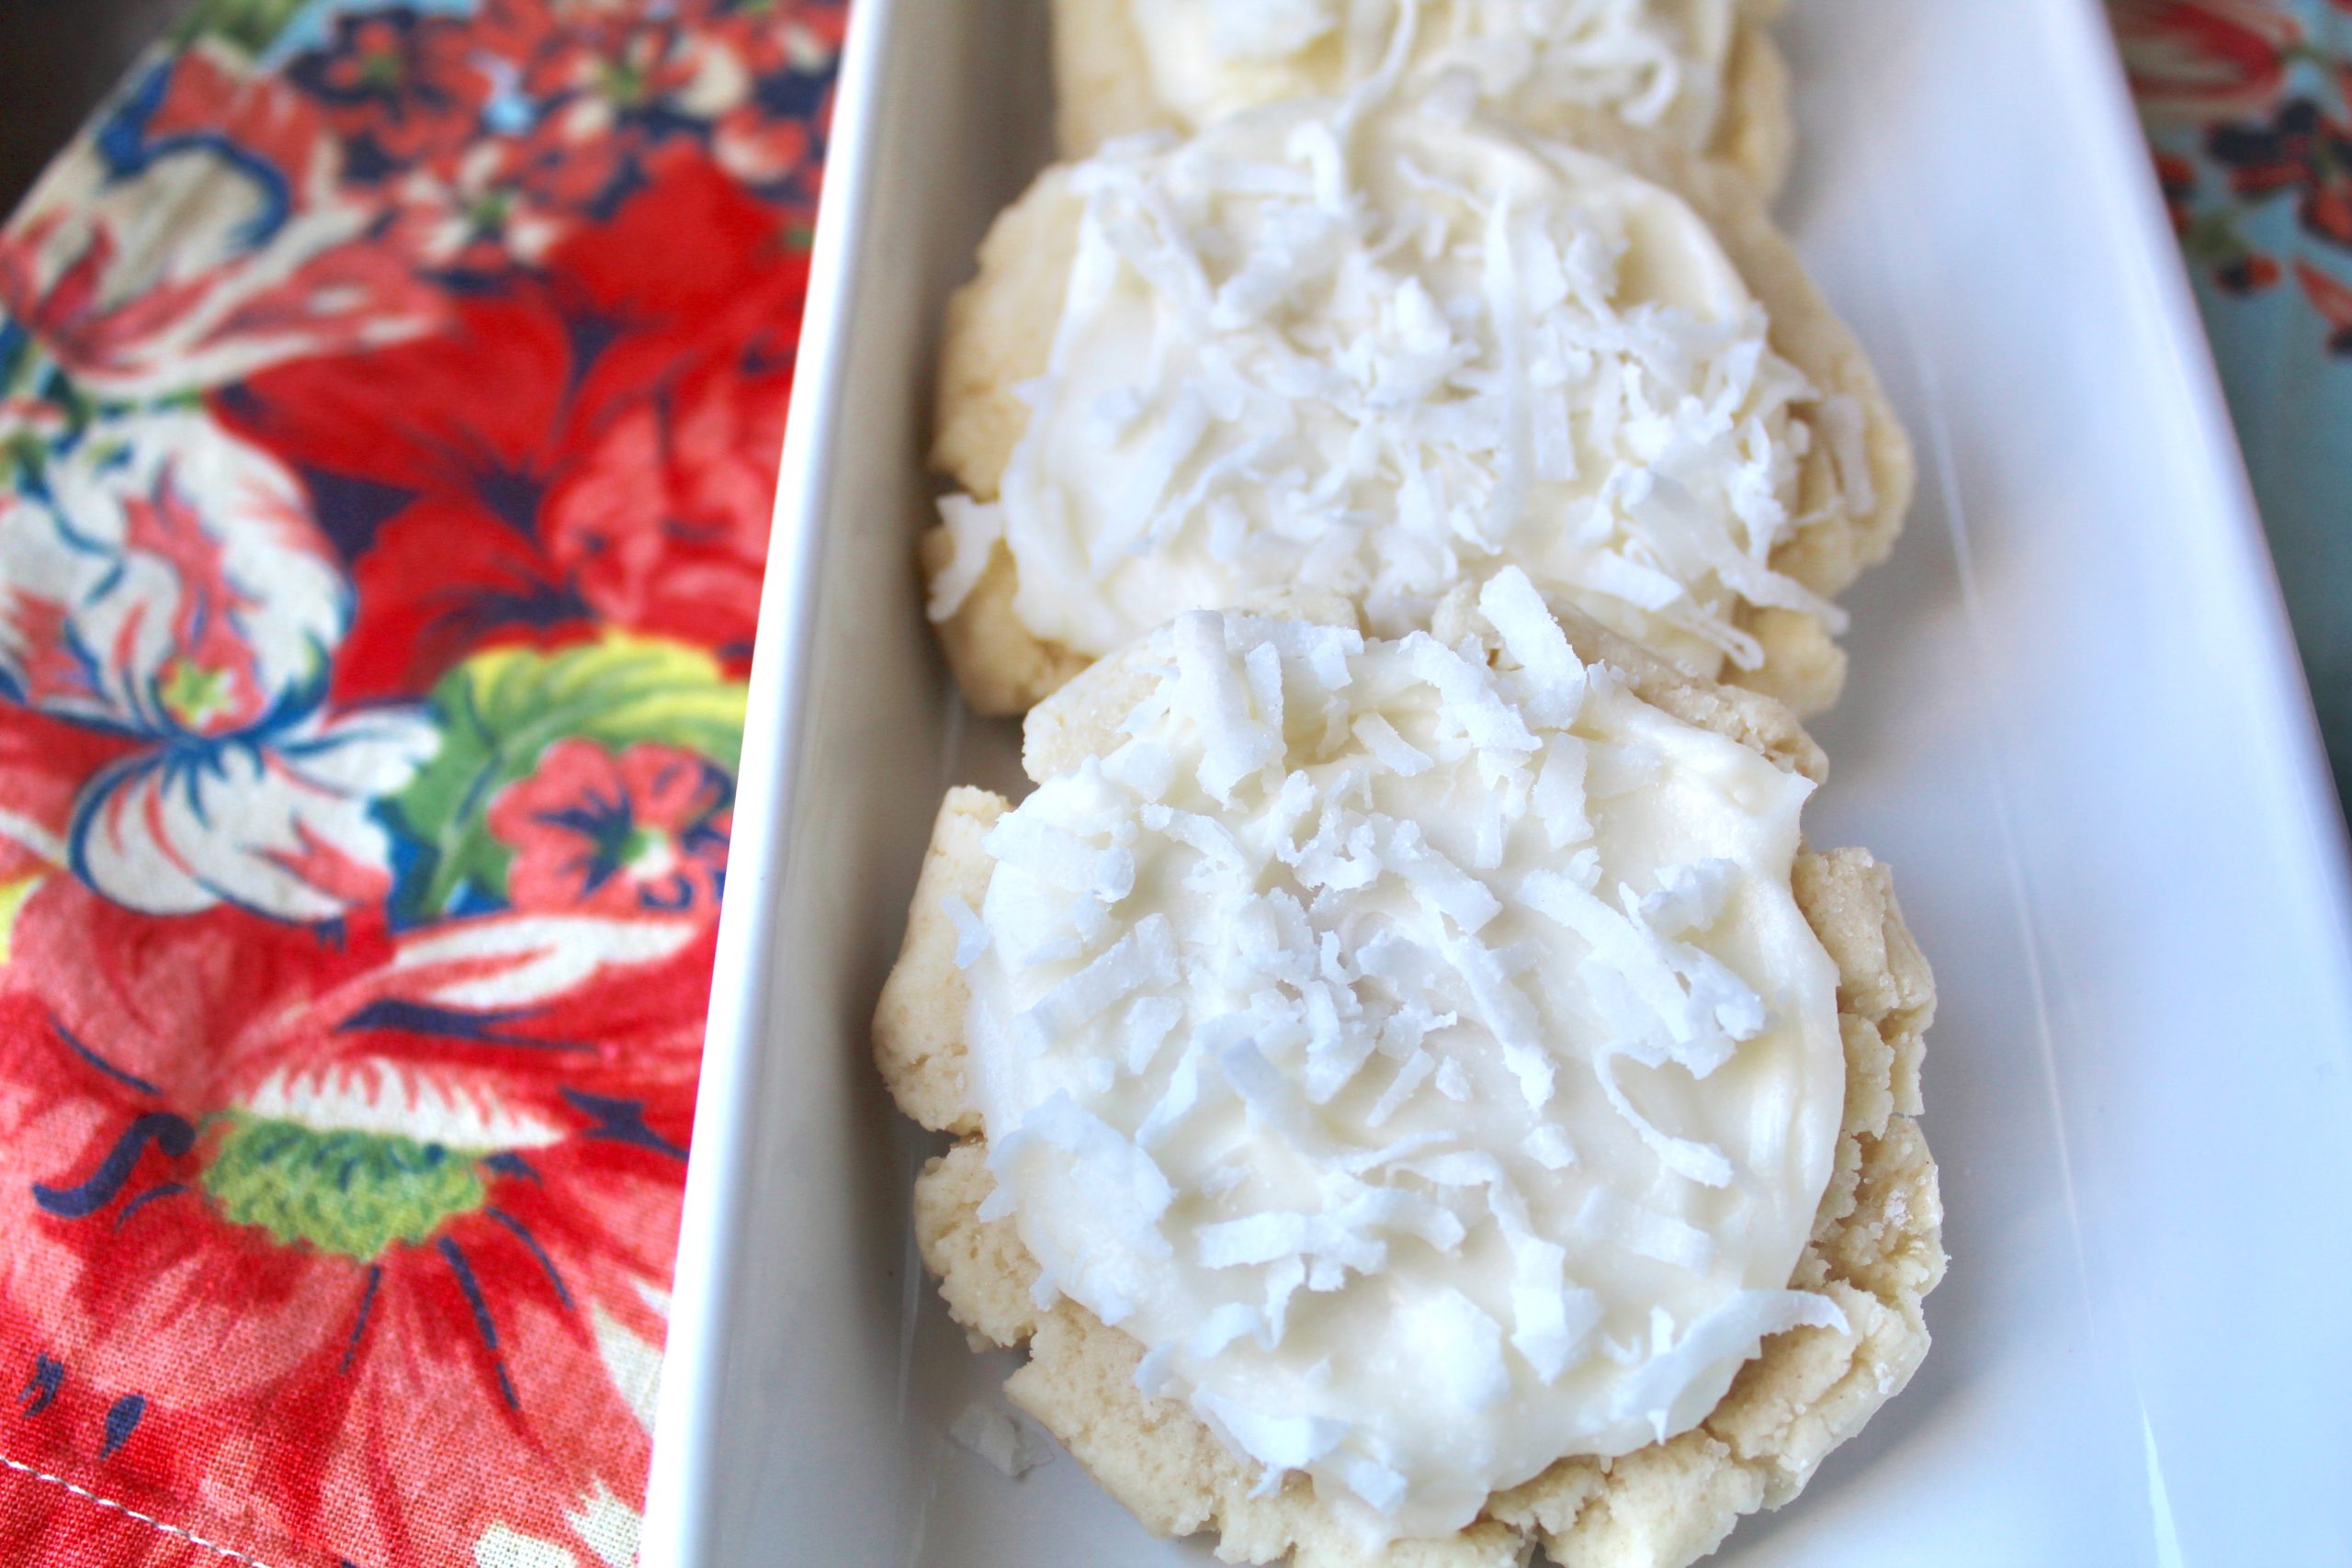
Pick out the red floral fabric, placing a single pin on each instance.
(2248, 103)
(390, 403)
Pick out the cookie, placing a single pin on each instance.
(1490, 1074)
(1379, 352)
(1701, 78)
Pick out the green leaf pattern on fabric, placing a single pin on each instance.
(251, 25)
(500, 709)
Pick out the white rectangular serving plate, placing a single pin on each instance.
(2076, 727)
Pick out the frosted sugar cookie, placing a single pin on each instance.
(1420, 1099)
(1377, 353)
(1699, 77)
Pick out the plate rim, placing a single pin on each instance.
(695, 1360)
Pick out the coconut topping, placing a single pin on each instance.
(1428, 1107)
(1373, 350)
(1658, 64)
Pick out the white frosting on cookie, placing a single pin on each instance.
(1377, 353)
(1658, 64)
(1422, 1055)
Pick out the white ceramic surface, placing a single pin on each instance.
(2076, 727)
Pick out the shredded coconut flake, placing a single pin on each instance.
(1737, 1328)
(1063, 858)
(1393, 751)
(971, 932)
(1551, 1320)
(1280, 1443)
(974, 528)
(1549, 1147)
(1646, 1231)
(1532, 637)
(1559, 795)
(1217, 699)
(1000, 1438)
(1469, 698)
(1701, 1163)
(1141, 767)
(1145, 957)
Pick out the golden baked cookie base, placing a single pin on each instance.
(1876, 1245)
(1000, 332)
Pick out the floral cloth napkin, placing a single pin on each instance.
(389, 402)
(2249, 103)
(390, 397)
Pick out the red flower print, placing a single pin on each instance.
(31, 420)
(426, 463)
(634, 65)
(620, 86)
(494, 205)
(41, 1523)
(44, 763)
(759, 147)
(2249, 273)
(773, 36)
(269, 256)
(449, 469)
(2176, 177)
(415, 1199)
(642, 831)
(2211, 238)
(616, 86)
(170, 582)
(399, 88)
(2206, 60)
(212, 95)
(789, 47)
(2299, 149)
(2332, 299)
(661, 524)
(513, 32)
(737, 289)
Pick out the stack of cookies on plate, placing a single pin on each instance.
(1418, 1097)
